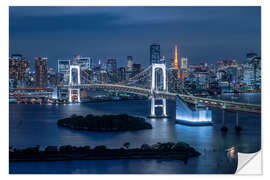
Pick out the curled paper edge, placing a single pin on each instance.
(249, 163)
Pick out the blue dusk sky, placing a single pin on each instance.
(202, 33)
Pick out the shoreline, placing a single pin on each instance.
(178, 151)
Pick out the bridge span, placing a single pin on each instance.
(215, 103)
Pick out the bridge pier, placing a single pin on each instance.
(223, 127)
(154, 106)
(71, 94)
(153, 113)
(237, 127)
(164, 107)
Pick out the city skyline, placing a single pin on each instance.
(95, 32)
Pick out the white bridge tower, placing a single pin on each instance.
(154, 88)
(74, 91)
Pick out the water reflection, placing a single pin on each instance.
(231, 153)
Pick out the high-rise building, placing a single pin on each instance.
(19, 69)
(111, 66)
(136, 68)
(112, 69)
(52, 78)
(184, 63)
(129, 72)
(102, 76)
(257, 72)
(202, 79)
(121, 74)
(129, 63)
(154, 53)
(184, 67)
(171, 63)
(63, 71)
(41, 69)
(84, 62)
(63, 65)
(252, 73)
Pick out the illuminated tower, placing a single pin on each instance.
(176, 62)
(175, 58)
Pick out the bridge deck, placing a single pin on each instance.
(216, 103)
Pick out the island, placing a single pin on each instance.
(170, 150)
(105, 123)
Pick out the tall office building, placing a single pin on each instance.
(63, 71)
(112, 69)
(136, 68)
(184, 63)
(252, 73)
(111, 66)
(129, 63)
(121, 74)
(154, 53)
(41, 69)
(184, 67)
(63, 65)
(257, 72)
(19, 69)
(52, 77)
(84, 62)
(129, 72)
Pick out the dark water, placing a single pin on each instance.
(32, 125)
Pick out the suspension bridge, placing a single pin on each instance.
(145, 83)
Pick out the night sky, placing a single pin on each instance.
(202, 33)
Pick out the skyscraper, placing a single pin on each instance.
(184, 63)
(154, 53)
(252, 71)
(52, 77)
(136, 68)
(63, 71)
(112, 69)
(84, 62)
(184, 67)
(121, 74)
(111, 66)
(19, 69)
(41, 68)
(129, 63)
(63, 65)
(257, 71)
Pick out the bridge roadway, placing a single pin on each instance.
(215, 103)
(31, 94)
